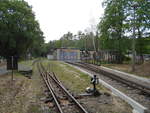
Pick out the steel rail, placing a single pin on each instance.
(44, 76)
(67, 92)
(53, 94)
(47, 81)
(130, 83)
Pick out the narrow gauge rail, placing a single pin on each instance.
(145, 89)
(58, 91)
(136, 91)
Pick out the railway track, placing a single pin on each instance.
(63, 100)
(136, 90)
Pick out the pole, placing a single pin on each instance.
(12, 65)
(94, 43)
(85, 49)
(133, 42)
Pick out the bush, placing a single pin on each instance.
(126, 58)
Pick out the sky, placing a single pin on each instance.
(57, 17)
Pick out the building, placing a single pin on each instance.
(67, 54)
(50, 57)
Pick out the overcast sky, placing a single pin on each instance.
(57, 17)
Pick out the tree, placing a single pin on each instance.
(67, 40)
(19, 31)
(111, 25)
(141, 21)
(119, 20)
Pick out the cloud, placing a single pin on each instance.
(57, 17)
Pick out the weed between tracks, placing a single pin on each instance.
(27, 94)
(71, 77)
(76, 81)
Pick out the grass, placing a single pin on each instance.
(34, 109)
(70, 76)
(25, 93)
(12, 95)
(77, 81)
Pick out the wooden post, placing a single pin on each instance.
(12, 65)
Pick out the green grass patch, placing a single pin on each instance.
(73, 78)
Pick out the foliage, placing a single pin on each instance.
(116, 26)
(80, 41)
(19, 31)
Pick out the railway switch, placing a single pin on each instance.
(94, 81)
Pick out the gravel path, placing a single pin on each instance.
(126, 74)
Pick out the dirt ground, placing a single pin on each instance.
(24, 96)
(77, 82)
(28, 95)
(142, 70)
(105, 104)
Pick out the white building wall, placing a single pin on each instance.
(50, 57)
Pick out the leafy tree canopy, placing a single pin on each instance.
(19, 31)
